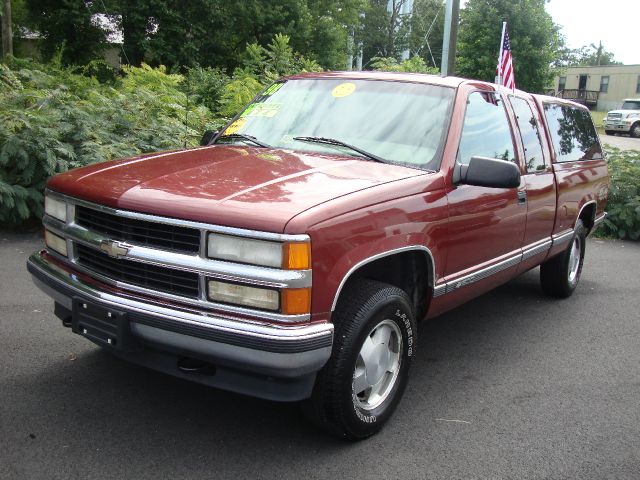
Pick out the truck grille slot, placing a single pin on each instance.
(163, 279)
(139, 232)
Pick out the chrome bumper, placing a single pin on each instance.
(287, 352)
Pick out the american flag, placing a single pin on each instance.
(504, 71)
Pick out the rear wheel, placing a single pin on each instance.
(360, 386)
(559, 276)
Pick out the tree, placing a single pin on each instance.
(426, 31)
(68, 27)
(587, 55)
(535, 41)
(384, 30)
(7, 31)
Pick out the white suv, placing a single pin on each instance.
(625, 120)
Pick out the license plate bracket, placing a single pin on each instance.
(105, 326)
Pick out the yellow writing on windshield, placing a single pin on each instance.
(235, 126)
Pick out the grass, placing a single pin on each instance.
(597, 120)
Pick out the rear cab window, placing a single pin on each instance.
(530, 134)
(573, 134)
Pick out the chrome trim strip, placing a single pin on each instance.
(420, 248)
(205, 320)
(279, 237)
(526, 252)
(440, 290)
(484, 273)
(235, 272)
(532, 251)
(598, 220)
(562, 237)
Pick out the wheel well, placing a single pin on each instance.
(410, 271)
(588, 215)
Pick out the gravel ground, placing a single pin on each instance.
(621, 142)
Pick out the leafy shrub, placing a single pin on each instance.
(412, 65)
(53, 119)
(623, 220)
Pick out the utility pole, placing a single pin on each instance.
(7, 34)
(452, 12)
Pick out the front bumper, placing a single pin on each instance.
(267, 361)
(617, 126)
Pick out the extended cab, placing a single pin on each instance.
(625, 120)
(293, 257)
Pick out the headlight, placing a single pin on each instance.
(288, 255)
(244, 295)
(56, 243)
(55, 208)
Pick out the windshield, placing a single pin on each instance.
(631, 105)
(398, 122)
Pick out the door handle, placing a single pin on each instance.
(522, 198)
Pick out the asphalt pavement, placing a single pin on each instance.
(513, 385)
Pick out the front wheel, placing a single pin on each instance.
(360, 386)
(559, 276)
(635, 130)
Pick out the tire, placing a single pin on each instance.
(367, 314)
(635, 130)
(559, 276)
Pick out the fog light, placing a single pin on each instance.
(244, 295)
(56, 243)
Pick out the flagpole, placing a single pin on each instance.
(504, 29)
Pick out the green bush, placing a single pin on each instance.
(53, 119)
(412, 65)
(623, 207)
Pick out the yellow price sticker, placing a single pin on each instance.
(235, 126)
(344, 90)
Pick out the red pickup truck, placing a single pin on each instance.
(292, 256)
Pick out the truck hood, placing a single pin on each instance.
(624, 113)
(243, 187)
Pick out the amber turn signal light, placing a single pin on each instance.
(297, 256)
(296, 301)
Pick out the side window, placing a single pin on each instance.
(486, 131)
(573, 134)
(528, 126)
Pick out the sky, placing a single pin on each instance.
(614, 22)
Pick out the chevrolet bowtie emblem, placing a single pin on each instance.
(114, 248)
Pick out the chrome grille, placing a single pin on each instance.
(614, 116)
(153, 277)
(139, 232)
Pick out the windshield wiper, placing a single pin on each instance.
(244, 136)
(339, 143)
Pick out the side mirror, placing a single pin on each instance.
(489, 172)
(207, 136)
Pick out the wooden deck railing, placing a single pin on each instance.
(586, 97)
